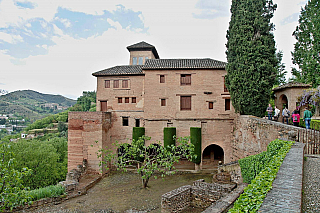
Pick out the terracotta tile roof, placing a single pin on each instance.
(291, 85)
(121, 70)
(143, 46)
(205, 63)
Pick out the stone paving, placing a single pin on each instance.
(286, 192)
(311, 184)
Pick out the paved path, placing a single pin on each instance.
(311, 184)
(285, 196)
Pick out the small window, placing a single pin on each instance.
(163, 102)
(126, 100)
(134, 61)
(125, 121)
(134, 100)
(162, 79)
(210, 105)
(185, 79)
(119, 100)
(185, 102)
(125, 83)
(140, 60)
(107, 83)
(116, 84)
(137, 122)
(227, 104)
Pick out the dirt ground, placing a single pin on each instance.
(120, 192)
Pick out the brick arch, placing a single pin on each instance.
(211, 155)
(283, 101)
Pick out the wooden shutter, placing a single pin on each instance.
(126, 100)
(103, 106)
(125, 83)
(185, 79)
(116, 84)
(107, 83)
(188, 79)
(134, 100)
(163, 102)
(162, 79)
(185, 102)
(227, 104)
(210, 105)
(119, 100)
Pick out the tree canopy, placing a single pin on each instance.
(251, 54)
(306, 52)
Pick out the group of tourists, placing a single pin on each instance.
(286, 115)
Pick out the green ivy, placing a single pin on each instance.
(254, 193)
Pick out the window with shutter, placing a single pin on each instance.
(162, 79)
(107, 83)
(224, 84)
(116, 84)
(134, 100)
(103, 105)
(163, 102)
(227, 104)
(125, 83)
(126, 100)
(119, 100)
(185, 79)
(210, 105)
(125, 121)
(185, 102)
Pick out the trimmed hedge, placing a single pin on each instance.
(137, 132)
(254, 193)
(195, 137)
(314, 124)
(168, 136)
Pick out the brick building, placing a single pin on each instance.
(155, 93)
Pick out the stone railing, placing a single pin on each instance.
(200, 194)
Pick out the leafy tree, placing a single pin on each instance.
(281, 72)
(306, 52)
(151, 159)
(251, 55)
(12, 191)
(2, 121)
(85, 100)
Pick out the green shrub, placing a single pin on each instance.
(254, 193)
(195, 137)
(252, 165)
(137, 132)
(49, 191)
(168, 136)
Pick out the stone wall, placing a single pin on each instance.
(88, 132)
(252, 135)
(200, 194)
(233, 168)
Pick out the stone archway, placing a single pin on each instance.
(211, 156)
(283, 101)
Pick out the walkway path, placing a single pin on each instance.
(285, 196)
(311, 184)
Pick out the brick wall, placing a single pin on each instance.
(85, 128)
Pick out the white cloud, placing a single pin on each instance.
(12, 39)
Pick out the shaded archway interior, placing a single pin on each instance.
(283, 100)
(211, 156)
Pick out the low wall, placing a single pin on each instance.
(233, 168)
(252, 135)
(200, 194)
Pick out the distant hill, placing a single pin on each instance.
(33, 105)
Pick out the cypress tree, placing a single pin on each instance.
(306, 52)
(251, 55)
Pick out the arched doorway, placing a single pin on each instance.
(211, 156)
(283, 102)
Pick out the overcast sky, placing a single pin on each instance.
(53, 46)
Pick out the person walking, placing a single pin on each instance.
(296, 117)
(286, 115)
(269, 110)
(276, 113)
(307, 117)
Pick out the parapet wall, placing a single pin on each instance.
(88, 132)
(252, 135)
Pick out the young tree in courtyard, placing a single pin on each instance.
(149, 159)
(306, 52)
(251, 55)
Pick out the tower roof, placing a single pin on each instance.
(143, 46)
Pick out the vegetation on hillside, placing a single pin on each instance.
(306, 52)
(251, 55)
